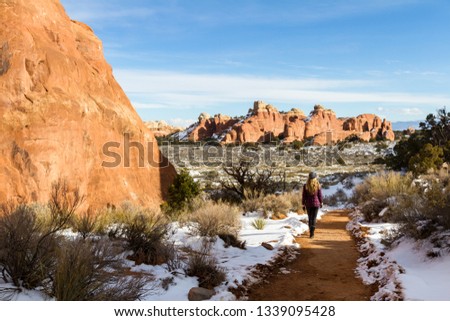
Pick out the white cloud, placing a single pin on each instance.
(150, 89)
(412, 111)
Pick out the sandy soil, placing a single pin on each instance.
(324, 270)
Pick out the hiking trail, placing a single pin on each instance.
(324, 270)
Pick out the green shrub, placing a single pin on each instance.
(297, 145)
(409, 154)
(429, 158)
(183, 190)
(259, 223)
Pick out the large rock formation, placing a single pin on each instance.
(265, 123)
(63, 115)
(211, 126)
(161, 129)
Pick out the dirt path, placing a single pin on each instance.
(324, 270)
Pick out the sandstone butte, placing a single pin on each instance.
(59, 106)
(264, 123)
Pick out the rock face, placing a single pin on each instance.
(211, 126)
(63, 115)
(161, 129)
(265, 123)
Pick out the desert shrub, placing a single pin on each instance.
(275, 205)
(337, 198)
(27, 248)
(64, 202)
(28, 245)
(420, 215)
(204, 266)
(214, 219)
(294, 199)
(297, 145)
(259, 223)
(91, 271)
(372, 209)
(380, 146)
(247, 181)
(381, 191)
(181, 192)
(145, 235)
(251, 205)
(383, 186)
(232, 240)
(86, 224)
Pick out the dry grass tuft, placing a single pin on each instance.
(213, 219)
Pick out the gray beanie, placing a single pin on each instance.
(312, 175)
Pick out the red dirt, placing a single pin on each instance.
(324, 270)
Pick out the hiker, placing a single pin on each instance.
(312, 200)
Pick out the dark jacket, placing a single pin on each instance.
(314, 200)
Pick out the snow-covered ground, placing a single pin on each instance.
(403, 272)
(237, 263)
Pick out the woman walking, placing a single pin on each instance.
(312, 200)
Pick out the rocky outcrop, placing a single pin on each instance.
(209, 127)
(63, 115)
(265, 123)
(162, 129)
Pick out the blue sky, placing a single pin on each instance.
(178, 58)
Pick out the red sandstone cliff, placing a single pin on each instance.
(265, 123)
(59, 106)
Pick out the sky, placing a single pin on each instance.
(177, 58)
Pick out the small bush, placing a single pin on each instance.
(90, 271)
(202, 265)
(232, 240)
(251, 205)
(259, 223)
(27, 248)
(214, 219)
(146, 237)
(383, 186)
(295, 201)
(276, 204)
(183, 190)
(429, 158)
(297, 145)
(340, 197)
(86, 224)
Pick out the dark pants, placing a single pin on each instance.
(312, 217)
